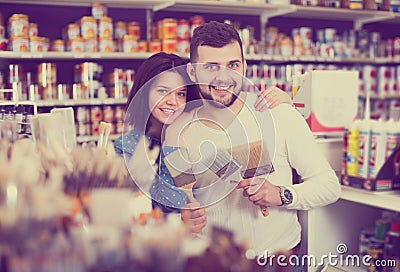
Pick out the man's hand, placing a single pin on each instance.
(270, 98)
(261, 192)
(194, 216)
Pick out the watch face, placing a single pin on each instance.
(288, 196)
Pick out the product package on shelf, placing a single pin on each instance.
(387, 178)
(16, 113)
(372, 151)
(327, 107)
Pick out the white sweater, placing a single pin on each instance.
(295, 147)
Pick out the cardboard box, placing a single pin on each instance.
(328, 99)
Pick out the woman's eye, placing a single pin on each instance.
(182, 94)
(162, 91)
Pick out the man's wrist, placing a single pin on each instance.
(286, 195)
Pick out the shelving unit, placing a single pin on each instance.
(221, 7)
(142, 56)
(83, 139)
(72, 55)
(359, 17)
(325, 227)
(154, 5)
(383, 200)
(80, 102)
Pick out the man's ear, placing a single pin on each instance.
(191, 72)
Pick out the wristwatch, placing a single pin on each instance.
(286, 195)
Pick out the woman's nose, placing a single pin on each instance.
(171, 99)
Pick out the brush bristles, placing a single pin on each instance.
(254, 158)
(104, 132)
(222, 164)
(214, 160)
(205, 178)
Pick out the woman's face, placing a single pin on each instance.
(167, 97)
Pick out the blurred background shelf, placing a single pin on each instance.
(83, 139)
(81, 102)
(385, 200)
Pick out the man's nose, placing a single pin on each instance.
(223, 74)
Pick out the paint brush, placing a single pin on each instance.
(255, 161)
(104, 133)
(254, 158)
(220, 162)
(250, 159)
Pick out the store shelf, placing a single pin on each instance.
(338, 14)
(316, 59)
(83, 139)
(143, 56)
(81, 102)
(385, 200)
(254, 57)
(73, 55)
(359, 17)
(225, 7)
(137, 4)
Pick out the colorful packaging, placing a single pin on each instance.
(364, 147)
(58, 46)
(352, 149)
(88, 27)
(18, 25)
(99, 10)
(105, 27)
(377, 148)
(133, 29)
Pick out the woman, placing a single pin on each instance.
(159, 95)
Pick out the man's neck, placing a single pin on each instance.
(221, 116)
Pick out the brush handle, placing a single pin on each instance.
(264, 211)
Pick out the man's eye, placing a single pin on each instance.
(234, 65)
(212, 67)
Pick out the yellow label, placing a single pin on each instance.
(352, 152)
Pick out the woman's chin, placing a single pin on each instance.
(169, 120)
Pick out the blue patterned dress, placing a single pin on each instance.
(163, 192)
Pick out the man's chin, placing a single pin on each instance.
(217, 104)
(227, 102)
(218, 101)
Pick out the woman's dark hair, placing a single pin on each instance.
(138, 109)
(214, 34)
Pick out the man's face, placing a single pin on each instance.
(219, 73)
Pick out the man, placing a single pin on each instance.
(218, 66)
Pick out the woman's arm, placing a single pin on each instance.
(163, 190)
(270, 98)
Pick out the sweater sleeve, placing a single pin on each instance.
(118, 146)
(319, 184)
